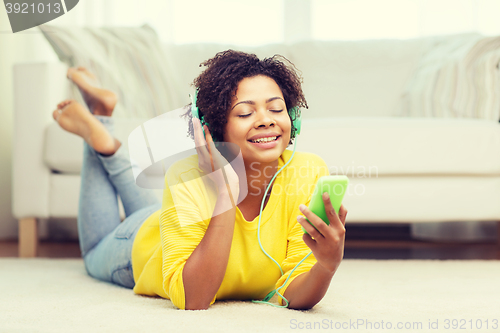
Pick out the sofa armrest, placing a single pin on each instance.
(38, 87)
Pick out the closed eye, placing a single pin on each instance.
(246, 115)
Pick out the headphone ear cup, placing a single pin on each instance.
(298, 124)
(194, 109)
(297, 119)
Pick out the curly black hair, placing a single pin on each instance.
(217, 85)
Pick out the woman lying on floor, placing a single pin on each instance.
(198, 245)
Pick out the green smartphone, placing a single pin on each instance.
(336, 186)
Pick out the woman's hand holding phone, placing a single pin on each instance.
(325, 241)
(213, 163)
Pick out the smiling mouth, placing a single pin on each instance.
(264, 140)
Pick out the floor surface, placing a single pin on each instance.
(354, 249)
(362, 242)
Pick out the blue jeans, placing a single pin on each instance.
(105, 242)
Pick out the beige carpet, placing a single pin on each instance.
(56, 295)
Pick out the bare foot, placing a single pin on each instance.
(100, 101)
(74, 118)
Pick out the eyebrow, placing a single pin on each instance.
(253, 103)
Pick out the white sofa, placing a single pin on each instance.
(404, 166)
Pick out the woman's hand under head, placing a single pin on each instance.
(213, 163)
(327, 242)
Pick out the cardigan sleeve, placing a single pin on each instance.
(296, 248)
(184, 219)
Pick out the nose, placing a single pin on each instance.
(264, 119)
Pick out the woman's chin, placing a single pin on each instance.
(265, 157)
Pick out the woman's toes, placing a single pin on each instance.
(56, 114)
(64, 103)
(70, 72)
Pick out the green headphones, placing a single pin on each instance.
(293, 112)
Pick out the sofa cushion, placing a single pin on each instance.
(362, 147)
(422, 199)
(184, 61)
(335, 73)
(353, 79)
(457, 77)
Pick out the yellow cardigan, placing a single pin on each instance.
(168, 237)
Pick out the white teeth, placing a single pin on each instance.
(272, 138)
